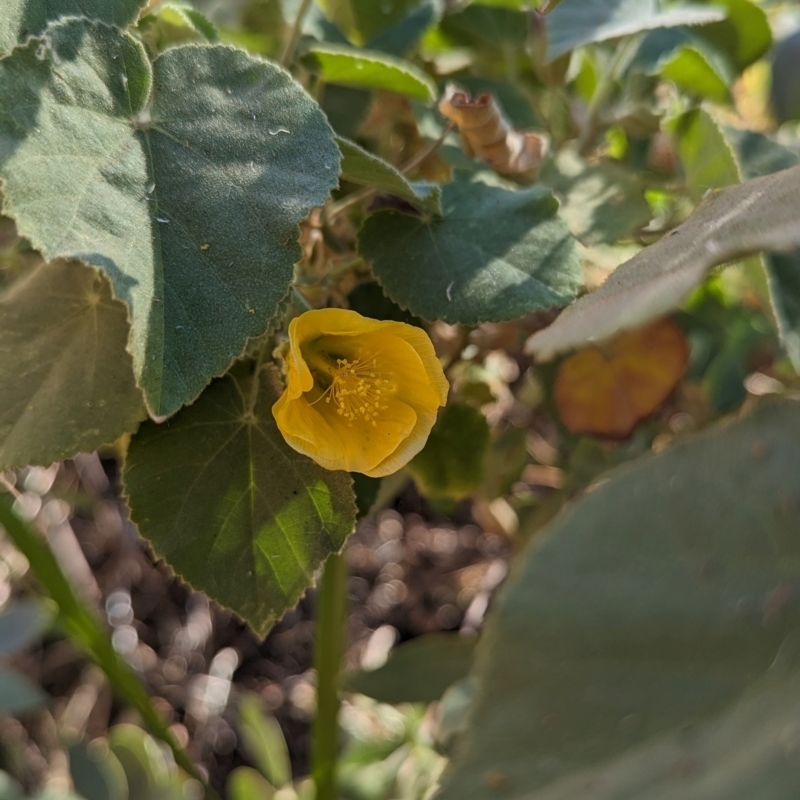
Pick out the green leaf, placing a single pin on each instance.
(83, 629)
(739, 756)
(363, 69)
(264, 742)
(96, 772)
(366, 490)
(418, 671)
(744, 35)
(21, 624)
(762, 214)
(487, 28)
(401, 37)
(452, 462)
(18, 694)
(575, 23)
(687, 60)
(707, 158)
(362, 167)
(758, 155)
(694, 69)
(654, 601)
(236, 512)
(783, 279)
(188, 193)
(364, 19)
(173, 23)
(146, 770)
(495, 255)
(66, 382)
(22, 19)
(785, 90)
(600, 203)
(245, 783)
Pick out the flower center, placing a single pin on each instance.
(356, 387)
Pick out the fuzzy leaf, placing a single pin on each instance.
(496, 254)
(363, 69)
(762, 214)
(653, 602)
(184, 183)
(66, 382)
(366, 169)
(231, 507)
(22, 19)
(600, 203)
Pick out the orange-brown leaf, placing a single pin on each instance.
(487, 134)
(607, 391)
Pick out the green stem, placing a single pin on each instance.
(619, 63)
(85, 630)
(328, 654)
(297, 30)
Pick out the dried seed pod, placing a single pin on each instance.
(487, 134)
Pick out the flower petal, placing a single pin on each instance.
(423, 347)
(408, 448)
(308, 432)
(367, 445)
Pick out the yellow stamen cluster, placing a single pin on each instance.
(357, 389)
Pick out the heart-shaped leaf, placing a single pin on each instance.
(231, 507)
(185, 183)
(22, 19)
(494, 255)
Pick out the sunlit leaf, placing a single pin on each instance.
(600, 202)
(364, 69)
(762, 214)
(187, 193)
(496, 254)
(235, 511)
(692, 63)
(744, 34)
(264, 742)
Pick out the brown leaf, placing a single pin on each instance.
(608, 391)
(487, 134)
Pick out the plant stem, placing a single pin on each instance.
(299, 300)
(85, 631)
(328, 654)
(297, 30)
(619, 63)
(332, 209)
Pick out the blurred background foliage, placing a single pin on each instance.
(648, 108)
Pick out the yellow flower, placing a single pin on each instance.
(361, 395)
